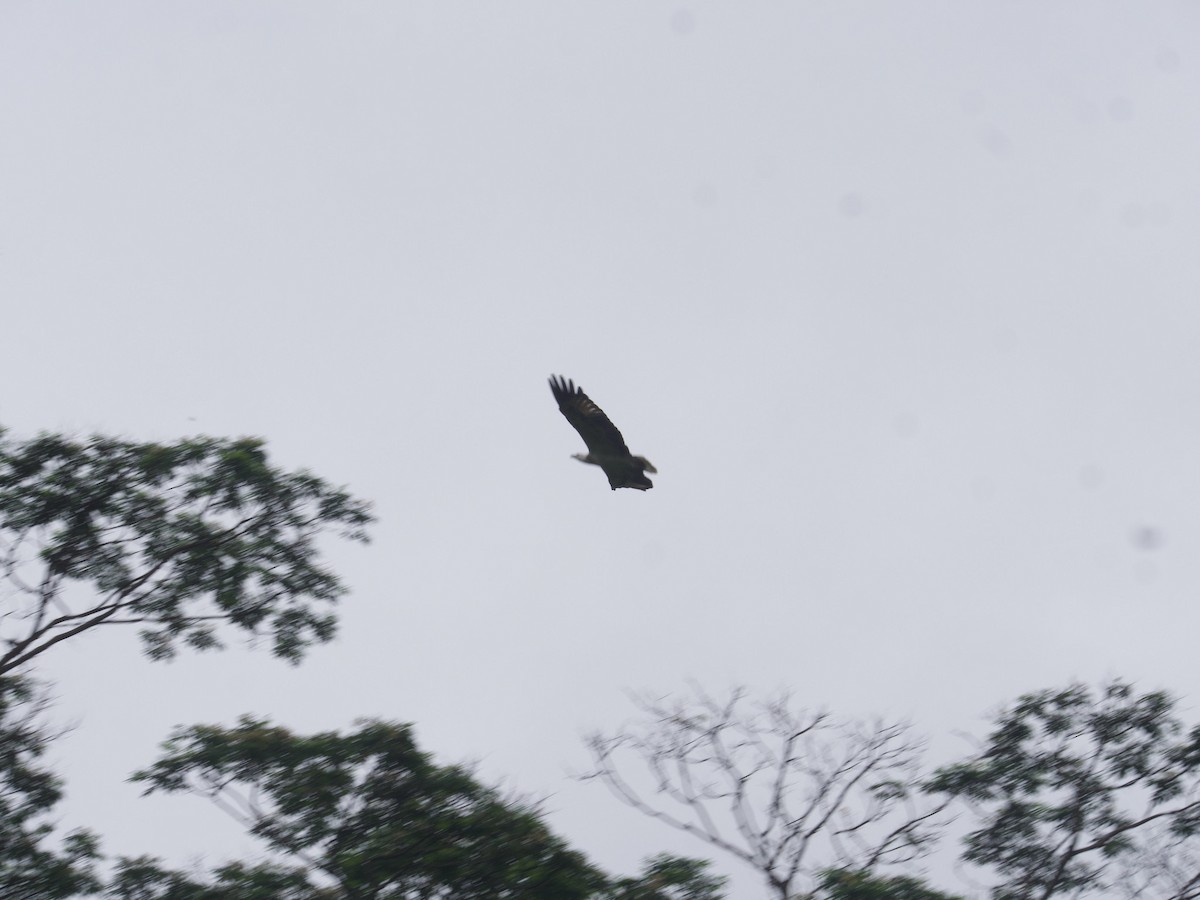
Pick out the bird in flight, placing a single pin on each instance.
(606, 447)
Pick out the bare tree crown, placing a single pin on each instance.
(791, 792)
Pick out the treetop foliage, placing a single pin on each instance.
(143, 878)
(1069, 780)
(666, 877)
(179, 538)
(369, 815)
(848, 884)
(372, 813)
(1075, 791)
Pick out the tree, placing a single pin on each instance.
(371, 814)
(845, 884)
(29, 867)
(1165, 866)
(185, 540)
(666, 877)
(178, 538)
(1070, 784)
(144, 879)
(789, 792)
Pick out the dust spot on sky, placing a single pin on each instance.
(1167, 60)
(1087, 203)
(1133, 215)
(704, 194)
(1091, 476)
(1005, 341)
(683, 21)
(1120, 109)
(983, 488)
(852, 205)
(972, 103)
(1148, 538)
(996, 142)
(906, 425)
(766, 167)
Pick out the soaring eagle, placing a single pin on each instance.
(606, 447)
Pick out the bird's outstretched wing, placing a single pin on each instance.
(597, 430)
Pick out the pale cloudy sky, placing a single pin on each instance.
(902, 299)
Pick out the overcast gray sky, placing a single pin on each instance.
(902, 300)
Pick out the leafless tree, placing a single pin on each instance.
(1164, 866)
(789, 791)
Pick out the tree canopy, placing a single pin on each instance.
(848, 884)
(177, 538)
(1071, 783)
(370, 815)
(190, 541)
(1076, 791)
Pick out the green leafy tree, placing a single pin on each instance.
(31, 867)
(1072, 785)
(190, 540)
(845, 884)
(790, 792)
(666, 877)
(370, 814)
(177, 538)
(144, 879)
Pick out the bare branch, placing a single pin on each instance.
(791, 792)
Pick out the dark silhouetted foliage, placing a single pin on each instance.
(30, 866)
(372, 814)
(1069, 782)
(666, 877)
(844, 884)
(177, 538)
(144, 879)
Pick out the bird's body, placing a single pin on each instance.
(606, 447)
